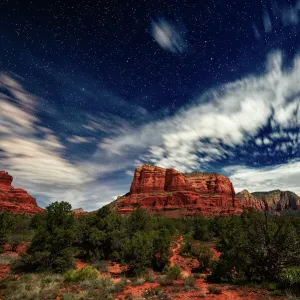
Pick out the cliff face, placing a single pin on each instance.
(169, 192)
(245, 199)
(15, 200)
(278, 200)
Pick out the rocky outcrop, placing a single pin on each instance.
(15, 200)
(171, 193)
(278, 200)
(245, 199)
(80, 212)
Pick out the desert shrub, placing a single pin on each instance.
(214, 290)
(14, 228)
(198, 227)
(257, 248)
(201, 252)
(138, 281)
(41, 286)
(204, 256)
(155, 293)
(51, 247)
(149, 278)
(72, 296)
(290, 279)
(120, 285)
(174, 272)
(100, 265)
(141, 241)
(103, 283)
(165, 281)
(186, 246)
(189, 281)
(86, 273)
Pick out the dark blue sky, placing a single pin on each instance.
(90, 89)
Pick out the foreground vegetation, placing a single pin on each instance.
(256, 249)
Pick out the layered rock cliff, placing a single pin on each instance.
(169, 192)
(15, 200)
(278, 200)
(245, 199)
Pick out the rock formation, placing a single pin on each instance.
(278, 200)
(15, 200)
(80, 212)
(245, 199)
(169, 192)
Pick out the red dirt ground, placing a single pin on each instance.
(176, 291)
(228, 292)
(19, 249)
(79, 264)
(4, 271)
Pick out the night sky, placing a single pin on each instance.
(91, 89)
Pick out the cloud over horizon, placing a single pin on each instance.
(255, 117)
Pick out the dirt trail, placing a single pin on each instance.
(175, 251)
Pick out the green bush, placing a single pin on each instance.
(103, 283)
(86, 273)
(189, 281)
(155, 293)
(174, 272)
(214, 290)
(165, 281)
(51, 247)
(120, 285)
(257, 247)
(204, 256)
(138, 281)
(140, 240)
(149, 278)
(290, 279)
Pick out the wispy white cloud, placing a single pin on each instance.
(168, 36)
(35, 156)
(284, 177)
(279, 15)
(267, 22)
(208, 131)
(78, 139)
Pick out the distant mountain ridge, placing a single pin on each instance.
(278, 200)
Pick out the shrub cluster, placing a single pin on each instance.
(86, 273)
(139, 240)
(257, 247)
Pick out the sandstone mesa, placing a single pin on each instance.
(174, 194)
(167, 192)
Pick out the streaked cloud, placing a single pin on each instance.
(210, 131)
(276, 16)
(168, 36)
(284, 177)
(78, 139)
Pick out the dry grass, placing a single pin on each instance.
(6, 259)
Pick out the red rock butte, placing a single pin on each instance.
(174, 194)
(15, 200)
